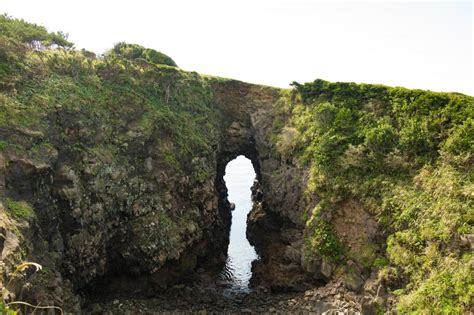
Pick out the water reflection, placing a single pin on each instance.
(239, 178)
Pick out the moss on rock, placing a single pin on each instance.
(19, 209)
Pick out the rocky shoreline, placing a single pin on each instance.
(196, 299)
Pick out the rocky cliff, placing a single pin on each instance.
(111, 177)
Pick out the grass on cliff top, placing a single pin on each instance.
(407, 156)
(129, 89)
(137, 52)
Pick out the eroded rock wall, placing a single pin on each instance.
(275, 224)
(109, 190)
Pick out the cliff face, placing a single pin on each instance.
(111, 176)
(276, 222)
(391, 173)
(104, 181)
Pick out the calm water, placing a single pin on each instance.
(239, 178)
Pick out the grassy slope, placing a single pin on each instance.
(407, 156)
(103, 93)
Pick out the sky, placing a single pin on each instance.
(427, 45)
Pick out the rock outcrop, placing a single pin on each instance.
(110, 212)
(112, 178)
(275, 223)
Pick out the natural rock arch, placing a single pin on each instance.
(247, 125)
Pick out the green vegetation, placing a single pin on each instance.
(4, 309)
(129, 86)
(19, 209)
(137, 52)
(448, 289)
(324, 242)
(32, 34)
(380, 262)
(407, 156)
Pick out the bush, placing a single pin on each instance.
(31, 34)
(461, 139)
(448, 289)
(134, 52)
(381, 138)
(323, 241)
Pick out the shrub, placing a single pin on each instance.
(448, 289)
(134, 52)
(381, 138)
(461, 139)
(31, 34)
(324, 241)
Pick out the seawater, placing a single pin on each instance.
(239, 177)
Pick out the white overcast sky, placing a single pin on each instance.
(426, 45)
